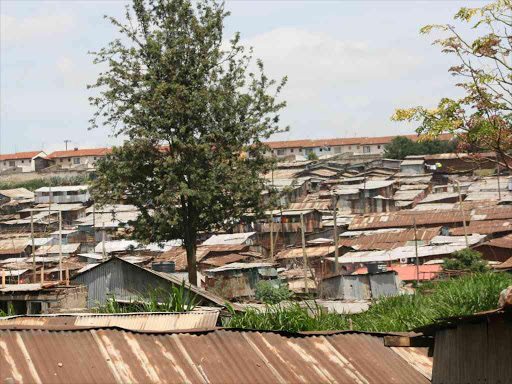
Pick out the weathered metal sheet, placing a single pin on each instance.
(13, 246)
(383, 284)
(110, 355)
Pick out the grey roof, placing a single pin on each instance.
(64, 189)
(412, 162)
(234, 238)
(237, 266)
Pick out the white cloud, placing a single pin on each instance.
(21, 29)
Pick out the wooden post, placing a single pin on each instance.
(67, 275)
(94, 226)
(304, 253)
(104, 252)
(271, 236)
(417, 259)
(34, 274)
(336, 252)
(463, 217)
(499, 185)
(3, 278)
(42, 275)
(60, 245)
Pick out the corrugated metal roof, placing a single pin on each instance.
(484, 227)
(219, 261)
(67, 188)
(322, 204)
(237, 266)
(229, 239)
(17, 193)
(389, 237)
(112, 355)
(55, 249)
(408, 195)
(406, 218)
(135, 321)
(413, 162)
(502, 242)
(13, 246)
(317, 251)
(434, 197)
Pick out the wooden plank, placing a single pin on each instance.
(406, 341)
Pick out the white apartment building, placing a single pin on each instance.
(373, 145)
(82, 158)
(24, 160)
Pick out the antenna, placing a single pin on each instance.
(66, 142)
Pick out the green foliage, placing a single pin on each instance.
(267, 293)
(10, 311)
(401, 147)
(156, 300)
(195, 117)
(56, 181)
(462, 296)
(482, 118)
(312, 156)
(466, 259)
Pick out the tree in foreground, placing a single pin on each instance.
(482, 119)
(194, 117)
(467, 259)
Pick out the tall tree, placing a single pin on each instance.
(401, 147)
(194, 116)
(482, 119)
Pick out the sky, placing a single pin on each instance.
(349, 64)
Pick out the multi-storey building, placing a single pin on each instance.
(78, 157)
(374, 145)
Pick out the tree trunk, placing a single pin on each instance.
(191, 247)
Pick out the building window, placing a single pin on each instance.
(291, 150)
(378, 146)
(61, 160)
(349, 147)
(95, 156)
(320, 149)
(300, 149)
(366, 149)
(329, 149)
(358, 147)
(22, 161)
(12, 163)
(280, 152)
(5, 162)
(76, 160)
(69, 160)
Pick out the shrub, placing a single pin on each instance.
(312, 156)
(466, 259)
(267, 293)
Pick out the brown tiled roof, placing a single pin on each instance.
(19, 155)
(345, 141)
(80, 152)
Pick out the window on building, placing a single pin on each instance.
(22, 161)
(300, 149)
(366, 149)
(320, 149)
(337, 150)
(280, 152)
(58, 193)
(61, 160)
(5, 162)
(95, 156)
(291, 150)
(349, 147)
(378, 146)
(76, 160)
(12, 163)
(69, 160)
(358, 147)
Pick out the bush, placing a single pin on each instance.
(466, 259)
(312, 156)
(267, 293)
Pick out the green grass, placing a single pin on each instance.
(155, 300)
(461, 296)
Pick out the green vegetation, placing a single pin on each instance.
(10, 311)
(465, 260)
(312, 156)
(156, 300)
(401, 147)
(461, 296)
(267, 293)
(56, 181)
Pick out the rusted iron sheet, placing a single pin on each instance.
(322, 204)
(13, 246)
(319, 251)
(406, 218)
(393, 239)
(133, 321)
(418, 358)
(112, 355)
(484, 227)
(223, 260)
(502, 242)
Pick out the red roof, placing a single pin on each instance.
(345, 141)
(408, 273)
(80, 153)
(20, 155)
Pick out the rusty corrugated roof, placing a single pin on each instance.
(484, 227)
(406, 218)
(322, 204)
(316, 251)
(113, 355)
(379, 241)
(13, 245)
(502, 242)
(133, 321)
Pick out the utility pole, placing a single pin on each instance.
(417, 259)
(499, 186)
(66, 142)
(336, 252)
(271, 236)
(104, 253)
(60, 245)
(463, 217)
(94, 226)
(304, 253)
(34, 276)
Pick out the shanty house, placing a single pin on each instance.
(366, 197)
(128, 282)
(361, 287)
(67, 194)
(237, 280)
(15, 248)
(412, 166)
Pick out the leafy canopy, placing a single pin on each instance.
(401, 147)
(195, 115)
(482, 119)
(466, 259)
